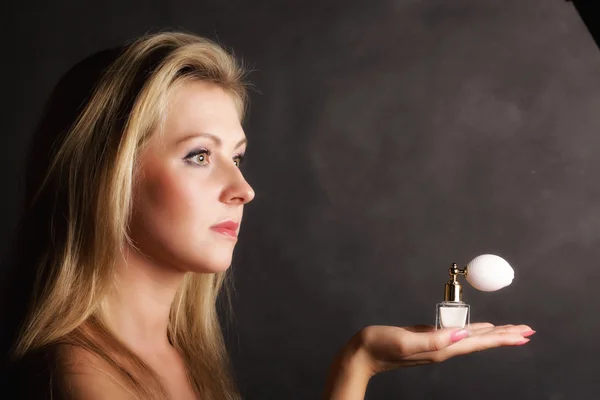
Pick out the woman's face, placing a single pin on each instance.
(189, 192)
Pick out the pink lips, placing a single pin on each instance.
(227, 228)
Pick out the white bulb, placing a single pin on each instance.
(489, 273)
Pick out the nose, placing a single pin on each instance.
(237, 190)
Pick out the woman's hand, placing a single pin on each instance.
(380, 348)
(389, 347)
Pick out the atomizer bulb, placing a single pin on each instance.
(489, 273)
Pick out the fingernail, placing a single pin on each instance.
(458, 335)
(528, 333)
(522, 342)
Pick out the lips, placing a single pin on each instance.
(227, 228)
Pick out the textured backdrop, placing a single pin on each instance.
(388, 140)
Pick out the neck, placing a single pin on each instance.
(138, 309)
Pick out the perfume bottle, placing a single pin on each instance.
(487, 273)
(453, 312)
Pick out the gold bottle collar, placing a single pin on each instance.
(453, 288)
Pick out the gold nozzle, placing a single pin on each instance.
(453, 288)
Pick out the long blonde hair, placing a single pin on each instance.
(80, 205)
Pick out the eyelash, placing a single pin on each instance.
(207, 153)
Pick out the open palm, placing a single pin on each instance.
(389, 347)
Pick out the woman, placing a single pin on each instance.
(134, 199)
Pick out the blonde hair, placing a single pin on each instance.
(83, 202)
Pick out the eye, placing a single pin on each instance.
(238, 160)
(199, 157)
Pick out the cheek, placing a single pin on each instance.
(169, 196)
(171, 204)
(172, 217)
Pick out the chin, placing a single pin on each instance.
(211, 265)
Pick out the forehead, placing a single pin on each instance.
(196, 106)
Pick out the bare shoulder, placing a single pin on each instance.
(81, 374)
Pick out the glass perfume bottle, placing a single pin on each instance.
(487, 273)
(453, 312)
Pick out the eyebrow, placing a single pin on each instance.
(214, 138)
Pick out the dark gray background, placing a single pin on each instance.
(390, 139)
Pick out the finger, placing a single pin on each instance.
(420, 342)
(479, 343)
(430, 328)
(476, 326)
(484, 342)
(470, 345)
(520, 329)
(493, 328)
(427, 338)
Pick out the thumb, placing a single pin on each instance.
(434, 340)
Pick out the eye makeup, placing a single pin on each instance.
(205, 154)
